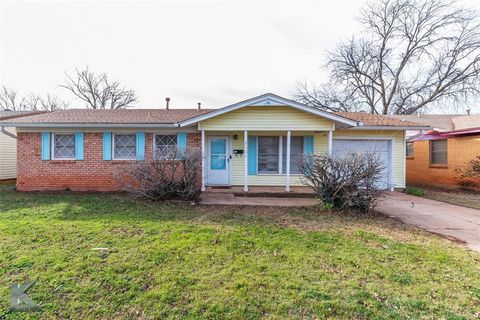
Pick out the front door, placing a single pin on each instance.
(218, 161)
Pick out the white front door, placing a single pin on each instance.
(218, 160)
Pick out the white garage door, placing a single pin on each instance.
(342, 147)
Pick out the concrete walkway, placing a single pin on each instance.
(445, 219)
(231, 199)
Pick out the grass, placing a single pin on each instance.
(469, 199)
(183, 262)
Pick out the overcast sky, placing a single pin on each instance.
(211, 52)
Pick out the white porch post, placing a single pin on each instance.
(287, 164)
(203, 161)
(245, 155)
(330, 142)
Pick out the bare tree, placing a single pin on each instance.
(50, 102)
(98, 91)
(411, 54)
(9, 99)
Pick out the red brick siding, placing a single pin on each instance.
(91, 174)
(459, 151)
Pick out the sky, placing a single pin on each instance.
(216, 53)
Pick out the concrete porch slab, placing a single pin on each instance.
(231, 199)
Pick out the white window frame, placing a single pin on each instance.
(154, 145)
(280, 160)
(52, 145)
(113, 145)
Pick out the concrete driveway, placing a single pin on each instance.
(446, 219)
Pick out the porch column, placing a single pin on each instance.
(330, 142)
(203, 160)
(245, 156)
(287, 164)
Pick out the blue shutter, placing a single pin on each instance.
(252, 155)
(308, 145)
(107, 146)
(45, 145)
(182, 141)
(79, 145)
(140, 145)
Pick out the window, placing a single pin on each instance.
(63, 146)
(165, 145)
(296, 150)
(124, 146)
(409, 150)
(272, 154)
(438, 152)
(268, 154)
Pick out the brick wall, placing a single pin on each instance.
(91, 174)
(460, 151)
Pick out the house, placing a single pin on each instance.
(8, 144)
(437, 157)
(254, 142)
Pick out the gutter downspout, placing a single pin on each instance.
(11, 135)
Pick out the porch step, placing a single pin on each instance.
(262, 192)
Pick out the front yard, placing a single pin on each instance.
(177, 262)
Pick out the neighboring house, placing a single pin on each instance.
(8, 144)
(255, 142)
(438, 157)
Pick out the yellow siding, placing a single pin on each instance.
(8, 156)
(266, 118)
(238, 162)
(398, 157)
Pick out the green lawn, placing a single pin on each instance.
(191, 262)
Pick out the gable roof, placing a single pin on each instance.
(117, 117)
(10, 114)
(445, 122)
(376, 120)
(270, 99)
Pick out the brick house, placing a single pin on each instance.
(437, 157)
(255, 142)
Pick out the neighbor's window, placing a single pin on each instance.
(124, 146)
(296, 150)
(63, 146)
(409, 150)
(268, 154)
(165, 145)
(438, 152)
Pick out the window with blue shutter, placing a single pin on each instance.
(45, 145)
(308, 145)
(140, 145)
(252, 155)
(107, 146)
(79, 145)
(182, 141)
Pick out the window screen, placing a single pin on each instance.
(64, 146)
(409, 150)
(296, 150)
(268, 154)
(165, 146)
(124, 146)
(438, 152)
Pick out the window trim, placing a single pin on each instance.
(154, 145)
(113, 146)
(437, 165)
(406, 148)
(281, 170)
(52, 146)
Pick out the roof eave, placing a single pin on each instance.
(278, 99)
(88, 125)
(367, 127)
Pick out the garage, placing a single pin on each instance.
(382, 148)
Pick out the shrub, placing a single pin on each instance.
(415, 191)
(172, 177)
(473, 168)
(344, 183)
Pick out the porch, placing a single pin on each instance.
(258, 162)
